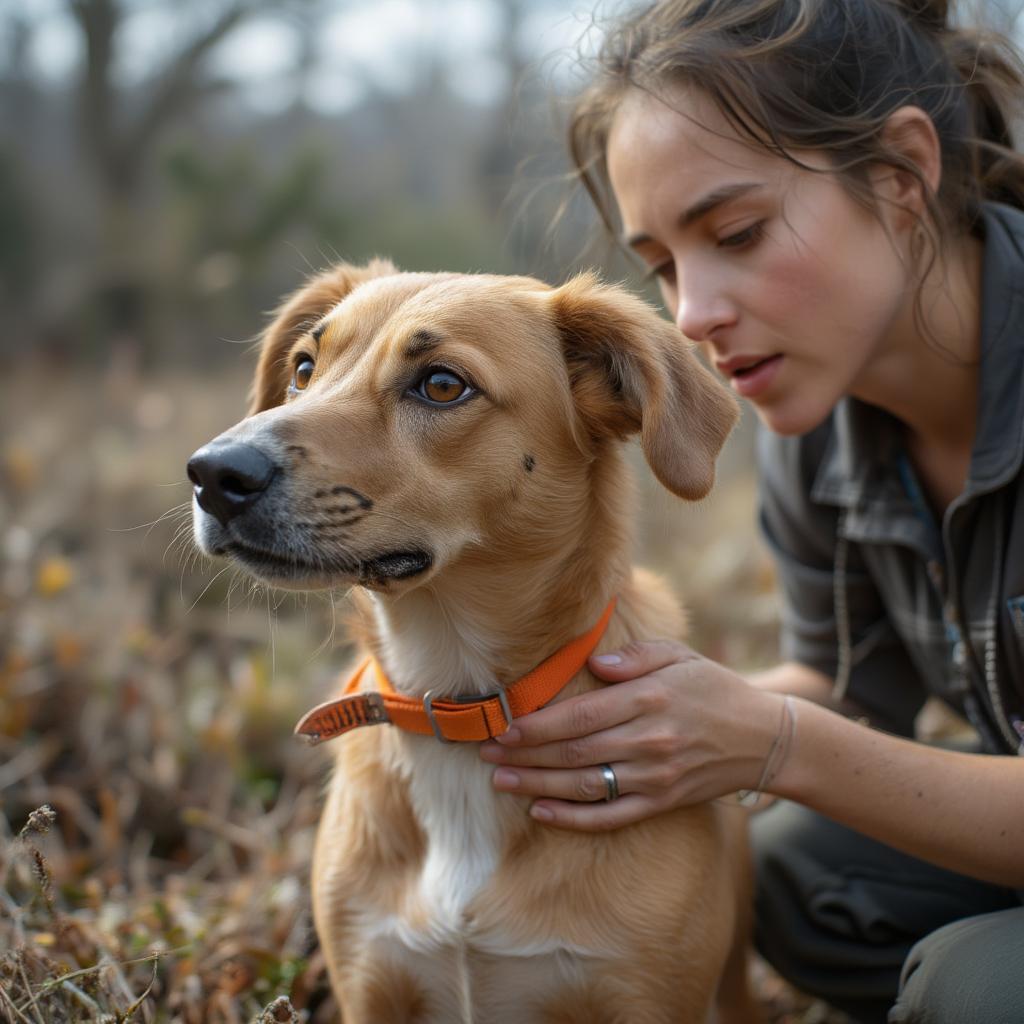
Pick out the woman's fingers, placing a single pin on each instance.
(676, 728)
(639, 658)
(556, 753)
(569, 719)
(597, 710)
(587, 785)
(596, 817)
(614, 744)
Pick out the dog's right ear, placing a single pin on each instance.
(298, 314)
(631, 372)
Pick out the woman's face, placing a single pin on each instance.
(795, 291)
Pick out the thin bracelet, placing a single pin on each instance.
(776, 755)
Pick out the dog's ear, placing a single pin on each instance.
(632, 371)
(298, 313)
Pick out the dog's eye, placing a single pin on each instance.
(303, 372)
(442, 387)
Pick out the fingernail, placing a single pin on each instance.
(505, 778)
(512, 736)
(608, 659)
(541, 813)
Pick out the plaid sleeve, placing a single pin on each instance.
(802, 535)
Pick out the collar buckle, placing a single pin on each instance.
(499, 695)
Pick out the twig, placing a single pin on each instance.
(28, 988)
(138, 1002)
(10, 1002)
(52, 983)
(86, 1000)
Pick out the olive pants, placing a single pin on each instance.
(881, 935)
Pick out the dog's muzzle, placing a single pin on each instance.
(229, 477)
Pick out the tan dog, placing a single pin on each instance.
(452, 444)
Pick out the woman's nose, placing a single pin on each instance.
(700, 312)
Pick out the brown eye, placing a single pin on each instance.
(302, 375)
(440, 387)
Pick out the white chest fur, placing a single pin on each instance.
(452, 797)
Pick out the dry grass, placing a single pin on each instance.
(156, 817)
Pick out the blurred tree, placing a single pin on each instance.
(17, 245)
(117, 144)
(230, 214)
(17, 242)
(171, 186)
(119, 131)
(500, 153)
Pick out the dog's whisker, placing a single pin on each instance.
(173, 545)
(180, 540)
(194, 560)
(190, 558)
(236, 578)
(202, 593)
(325, 644)
(171, 513)
(271, 617)
(183, 556)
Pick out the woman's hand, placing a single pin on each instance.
(678, 729)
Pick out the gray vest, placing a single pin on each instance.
(877, 593)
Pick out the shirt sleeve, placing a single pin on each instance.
(802, 536)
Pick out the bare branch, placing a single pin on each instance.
(181, 84)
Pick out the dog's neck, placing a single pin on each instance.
(497, 612)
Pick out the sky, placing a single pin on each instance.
(369, 41)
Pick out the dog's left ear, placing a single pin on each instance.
(631, 371)
(298, 313)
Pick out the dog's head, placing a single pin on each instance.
(399, 420)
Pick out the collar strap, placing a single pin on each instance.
(464, 720)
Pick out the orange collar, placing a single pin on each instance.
(465, 720)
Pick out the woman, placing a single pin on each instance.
(827, 195)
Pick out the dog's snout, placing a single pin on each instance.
(229, 477)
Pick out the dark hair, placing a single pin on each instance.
(798, 75)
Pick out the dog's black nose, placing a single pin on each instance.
(229, 477)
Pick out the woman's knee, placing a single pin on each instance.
(838, 915)
(969, 970)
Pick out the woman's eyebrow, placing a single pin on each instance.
(703, 206)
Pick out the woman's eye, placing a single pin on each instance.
(663, 271)
(441, 387)
(303, 373)
(745, 237)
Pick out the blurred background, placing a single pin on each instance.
(169, 169)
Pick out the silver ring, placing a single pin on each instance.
(611, 783)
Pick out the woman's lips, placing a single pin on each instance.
(752, 380)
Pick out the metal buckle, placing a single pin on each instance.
(428, 707)
(502, 700)
(428, 703)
